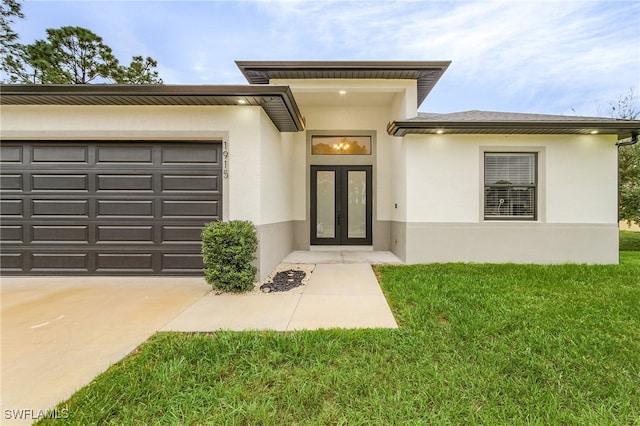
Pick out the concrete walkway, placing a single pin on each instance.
(337, 296)
(340, 255)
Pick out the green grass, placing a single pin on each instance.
(478, 344)
(629, 241)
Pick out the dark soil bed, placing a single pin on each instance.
(284, 281)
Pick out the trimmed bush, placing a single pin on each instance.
(228, 248)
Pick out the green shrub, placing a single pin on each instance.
(227, 251)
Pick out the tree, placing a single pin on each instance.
(27, 63)
(9, 11)
(626, 107)
(140, 71)
(75, 55)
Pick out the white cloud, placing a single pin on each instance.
(546, 56)
(553, 55)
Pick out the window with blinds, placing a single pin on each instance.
(510, 186)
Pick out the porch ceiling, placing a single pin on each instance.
(352, 98)
(277, 101)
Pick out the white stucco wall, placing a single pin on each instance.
(276, 173)
(582, 180)
(577, 201)
(577, 176)
(401, 108)
(398, 180)
(299, 175)
(442, 179)
(405, 103)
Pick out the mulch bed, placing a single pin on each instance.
(284, 281)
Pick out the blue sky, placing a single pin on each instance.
(545, 56)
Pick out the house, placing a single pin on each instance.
(110, 179)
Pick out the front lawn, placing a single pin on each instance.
(629, 241)
(478, 344)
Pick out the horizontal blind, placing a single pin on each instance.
(509, 169)
(510, 186)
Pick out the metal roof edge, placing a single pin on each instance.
(140, 95)
(622, 128)
(140, 89)
(426, 73)
(342, 64)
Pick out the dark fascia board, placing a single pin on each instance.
(426, 73)
(277, 101)
(339, 65)
(622, 128)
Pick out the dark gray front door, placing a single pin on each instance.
(107, 207)
(341, 205)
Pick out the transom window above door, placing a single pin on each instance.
(340, 145)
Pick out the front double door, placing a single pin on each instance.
(341, 205)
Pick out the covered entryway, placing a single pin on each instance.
(341, 207)
(107, 208)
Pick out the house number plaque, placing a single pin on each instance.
(225, 160)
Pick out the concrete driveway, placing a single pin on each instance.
(58, 333)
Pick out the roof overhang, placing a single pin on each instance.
(277, 101)
(426, 73)
(579, 126)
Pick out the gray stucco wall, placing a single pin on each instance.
(275, 243)
(505, 242)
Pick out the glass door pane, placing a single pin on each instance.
(326, 204)
(357, 203)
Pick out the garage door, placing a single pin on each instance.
(107, 207)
